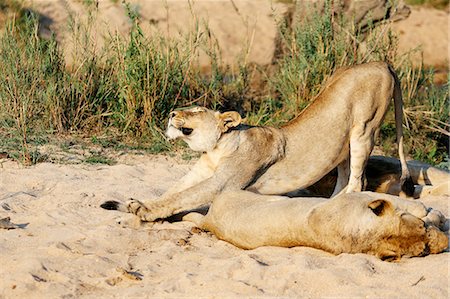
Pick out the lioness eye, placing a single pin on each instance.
(186, 131)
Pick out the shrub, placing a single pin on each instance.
(128, 87)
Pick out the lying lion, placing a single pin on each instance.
(379, 224)
(336, 130)
(383, 175)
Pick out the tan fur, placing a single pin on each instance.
(378, 224)
(336, 130)
(383, 175)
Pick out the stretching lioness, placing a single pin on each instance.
(336, 130)
(351, 223)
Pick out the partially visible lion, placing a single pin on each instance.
(378, 224)
(336, 130)
(383, 175)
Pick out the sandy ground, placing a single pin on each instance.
(426, 33)
(427, 30)
(68, 247)
(245, 29)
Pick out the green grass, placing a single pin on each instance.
(120, 95)
(129, 86)
(313, 49)
(99, 159)
(318, 45)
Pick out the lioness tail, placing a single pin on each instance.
(405, 179)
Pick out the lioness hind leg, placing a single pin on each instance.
(343, 170)
(436, 190)
(361, 144)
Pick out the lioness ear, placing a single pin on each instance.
(228, 120)
(380, 207)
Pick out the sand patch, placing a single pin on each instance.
(71, 248)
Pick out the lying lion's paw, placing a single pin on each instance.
(415, 208)
(435, 218)
(437, 240)
(149, 216)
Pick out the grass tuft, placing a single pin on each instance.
(125, 90)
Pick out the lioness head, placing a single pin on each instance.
(362, 223)
(200, 127)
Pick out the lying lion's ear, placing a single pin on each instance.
(229, 119)
(380, 207)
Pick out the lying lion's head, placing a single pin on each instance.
(362, 223)
(200, 127)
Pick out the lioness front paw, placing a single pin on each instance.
(141, 210)
(135, 207)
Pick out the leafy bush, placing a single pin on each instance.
(130, 85)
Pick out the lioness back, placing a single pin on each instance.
(349, 110)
